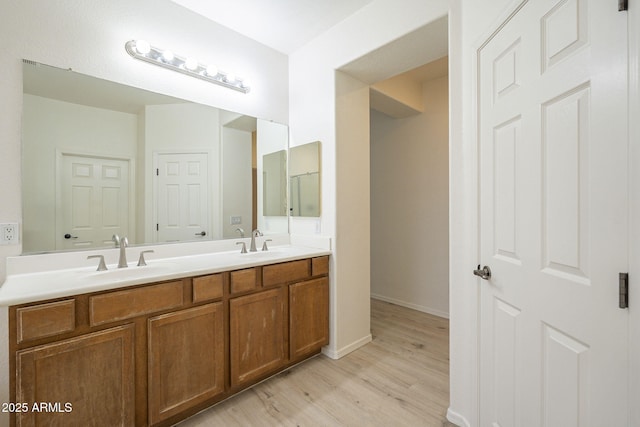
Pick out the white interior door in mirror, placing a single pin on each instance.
(182, 208)
(93, 201)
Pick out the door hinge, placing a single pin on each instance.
(157, 172)
(624, 290)
(157, 227)
(623, 5)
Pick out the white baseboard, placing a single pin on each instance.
(457, 419)
(417, 307)
(337, 354)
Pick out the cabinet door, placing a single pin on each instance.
(81, 381)
(308, 316)
(186, 359)
(257, 335)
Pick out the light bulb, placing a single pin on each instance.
(143, 47)
(230, 77)
(191, 64)
(167, 55)
(212, 70)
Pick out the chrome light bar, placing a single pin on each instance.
(140, 49)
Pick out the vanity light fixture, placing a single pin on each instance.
(142, 50)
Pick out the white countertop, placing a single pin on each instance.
(42, 285)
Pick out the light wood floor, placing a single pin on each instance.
(401, 378)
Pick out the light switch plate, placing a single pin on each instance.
(235, 220)
(9, 234)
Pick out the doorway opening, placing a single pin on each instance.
(409, 168)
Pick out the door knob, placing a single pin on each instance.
(484, 273)
(202, 233)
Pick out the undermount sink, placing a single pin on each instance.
(132, 271)
(275, 251)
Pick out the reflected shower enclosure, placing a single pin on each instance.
(304, 180)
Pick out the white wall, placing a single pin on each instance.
(89, 36)
(314, 116)
(410, 204)
(52, 125)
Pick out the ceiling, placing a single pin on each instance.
(287, 25)
(415, 49)
(284, 25)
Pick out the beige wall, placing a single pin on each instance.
(410, 205)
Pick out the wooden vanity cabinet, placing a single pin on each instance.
(86, 378)
(154, 354)
(186, 359)
(308, 317)
(257, 335)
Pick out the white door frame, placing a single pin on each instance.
(61, 152)
(465, 245)
(634, 206)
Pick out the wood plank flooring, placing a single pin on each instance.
(401, 378)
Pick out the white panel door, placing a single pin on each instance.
(553, 216)
(183, 197)
(93, 203)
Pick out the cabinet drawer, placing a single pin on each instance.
(244, 280)
(320, 266)
(285, 272)
(207, 288)
(45, 320)
(134, 302)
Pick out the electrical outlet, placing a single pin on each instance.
(235, 220)
(9, 234)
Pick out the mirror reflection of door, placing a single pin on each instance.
(182, 197)
(93, 201)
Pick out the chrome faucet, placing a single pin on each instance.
(122, 262)
(255, 233)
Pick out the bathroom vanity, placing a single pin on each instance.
(127, 348)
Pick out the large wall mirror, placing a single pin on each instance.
(101, 158)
